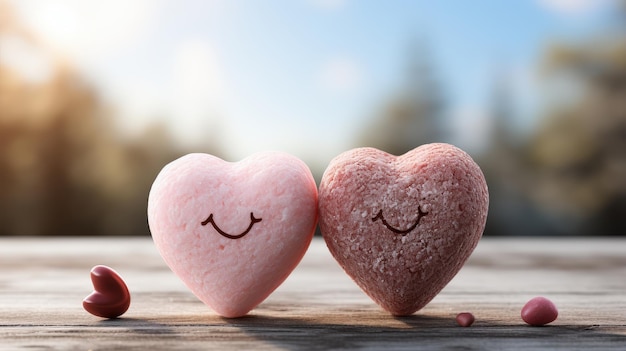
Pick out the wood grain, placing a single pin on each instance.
(43, 281)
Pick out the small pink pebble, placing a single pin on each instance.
(539, 311)
(465, 319)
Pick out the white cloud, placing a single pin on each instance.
(86, 31)
(189, 96)
(28, 60)
(198, 90)
(340, 75)
(573, 7)
(139, 103)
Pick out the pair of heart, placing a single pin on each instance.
(400, 226)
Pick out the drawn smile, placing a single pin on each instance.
(420, 214)
(230, 236)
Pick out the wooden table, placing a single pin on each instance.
(43, 282)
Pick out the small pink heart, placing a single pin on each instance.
(110, 298)
(402, 227)
(233, 232)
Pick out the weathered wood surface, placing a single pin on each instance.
(43, 281)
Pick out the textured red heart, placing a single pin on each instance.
(403, 226)
(110, 298)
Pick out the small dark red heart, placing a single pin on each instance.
(110, 298)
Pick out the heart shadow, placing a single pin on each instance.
(139, 326)
(367, 331)
(333, 332)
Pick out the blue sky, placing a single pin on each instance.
(301, 76)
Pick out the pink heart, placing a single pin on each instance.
(233, 232)
(402, 227)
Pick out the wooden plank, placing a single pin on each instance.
(43, 281)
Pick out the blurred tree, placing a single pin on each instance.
(579, 152)
(64, 169)
(506, 170)
(500, 162)
(414, 116)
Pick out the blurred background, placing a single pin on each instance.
(97, 96)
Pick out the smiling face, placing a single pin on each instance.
(380, 216)
(231, 236)
(387, 198)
